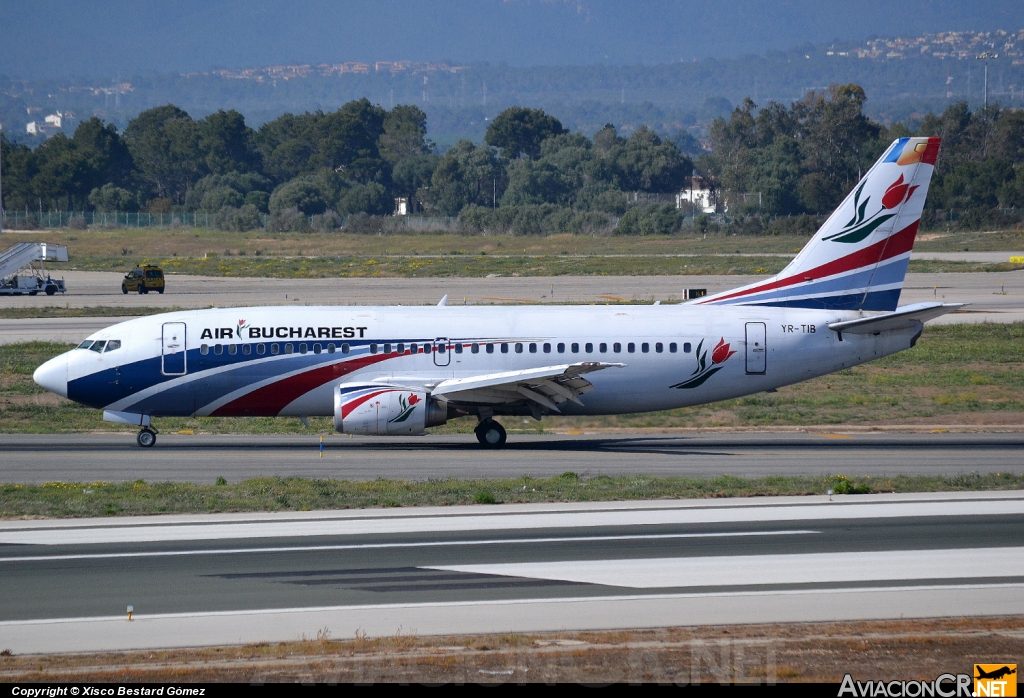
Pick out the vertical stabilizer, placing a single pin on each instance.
(859, 257)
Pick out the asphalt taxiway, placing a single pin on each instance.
(991, 297)
(38, 458)
(236, 578)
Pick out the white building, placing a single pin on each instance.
(702, 200)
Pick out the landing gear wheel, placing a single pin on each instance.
(490, 434)
(124, 289)
(146, 438)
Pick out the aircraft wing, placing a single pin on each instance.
(548, 386)
(900, 319)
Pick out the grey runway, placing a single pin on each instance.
(992, 297)
(115, 457)
(231, 578)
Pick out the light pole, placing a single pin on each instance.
(986, 57)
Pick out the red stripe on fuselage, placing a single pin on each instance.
(269, 400)
(892, 246)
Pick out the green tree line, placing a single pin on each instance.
(530, 175)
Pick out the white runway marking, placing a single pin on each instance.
(203, 529)
(378, 546)
(752, 570)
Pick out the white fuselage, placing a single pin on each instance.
(278, 361)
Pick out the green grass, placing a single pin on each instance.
(315, 255)
(74, 499)
(49, 311)
(956, 375)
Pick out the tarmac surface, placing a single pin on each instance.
(991, 297)
(38, 458)
(237, 578)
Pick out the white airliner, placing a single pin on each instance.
(398, 371)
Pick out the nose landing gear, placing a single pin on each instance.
(146, 437)
(490, 434)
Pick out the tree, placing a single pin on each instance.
(646, 163)
(371, 198)
(404, 136)
(518, 130)
(308, 194)
(110, 198)
(19, 167)
(227, 143)
(165, 145)
(467, 174)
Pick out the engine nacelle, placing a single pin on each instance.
(385, 410)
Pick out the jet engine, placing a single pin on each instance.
(385, 410)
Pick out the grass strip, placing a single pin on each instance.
(76, 499)
(477, 266)
(50, 311)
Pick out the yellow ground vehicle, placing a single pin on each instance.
(143, 279)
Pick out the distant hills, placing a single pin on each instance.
(904, 78)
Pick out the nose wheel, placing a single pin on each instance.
(490, 434)
(146, 438)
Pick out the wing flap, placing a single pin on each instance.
(901, 319)
(548, 386)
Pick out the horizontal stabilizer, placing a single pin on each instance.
(901, 319)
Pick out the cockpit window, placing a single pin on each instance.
(86, 344)
(98, 346)
(113, 345)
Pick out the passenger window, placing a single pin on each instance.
(86, 344)
(204, 349)
(275, 348)
(686, 347)
(289, 348)
(98, 346)
(504, 347)
(672, 348)
(533, 347)
(401, 348)
(602, 347)
(387, 348)
(589, 347)
(645, 347)
(631, 348)
(218, 349)
(547, 348)
(442, 348)
(659, 347)
(616, 347)
(475, 348)
(247, 349)
(330, 348)
(575, 348)
(302, 348)
(317, 349)
(345, 349)
(261, 349)
(373, 348)
(458, 348)
(113, 345)
(519, 347)
(490, 348)
(561, 347)
(232, 349)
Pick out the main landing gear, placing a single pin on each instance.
(490, 434)
(146, 437)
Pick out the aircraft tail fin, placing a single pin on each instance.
(858, 258)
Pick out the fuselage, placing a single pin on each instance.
(281, 361)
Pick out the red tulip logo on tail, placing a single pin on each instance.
(719, 355)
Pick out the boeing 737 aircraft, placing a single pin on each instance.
(398, 371)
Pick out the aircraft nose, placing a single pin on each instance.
(53, 375)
